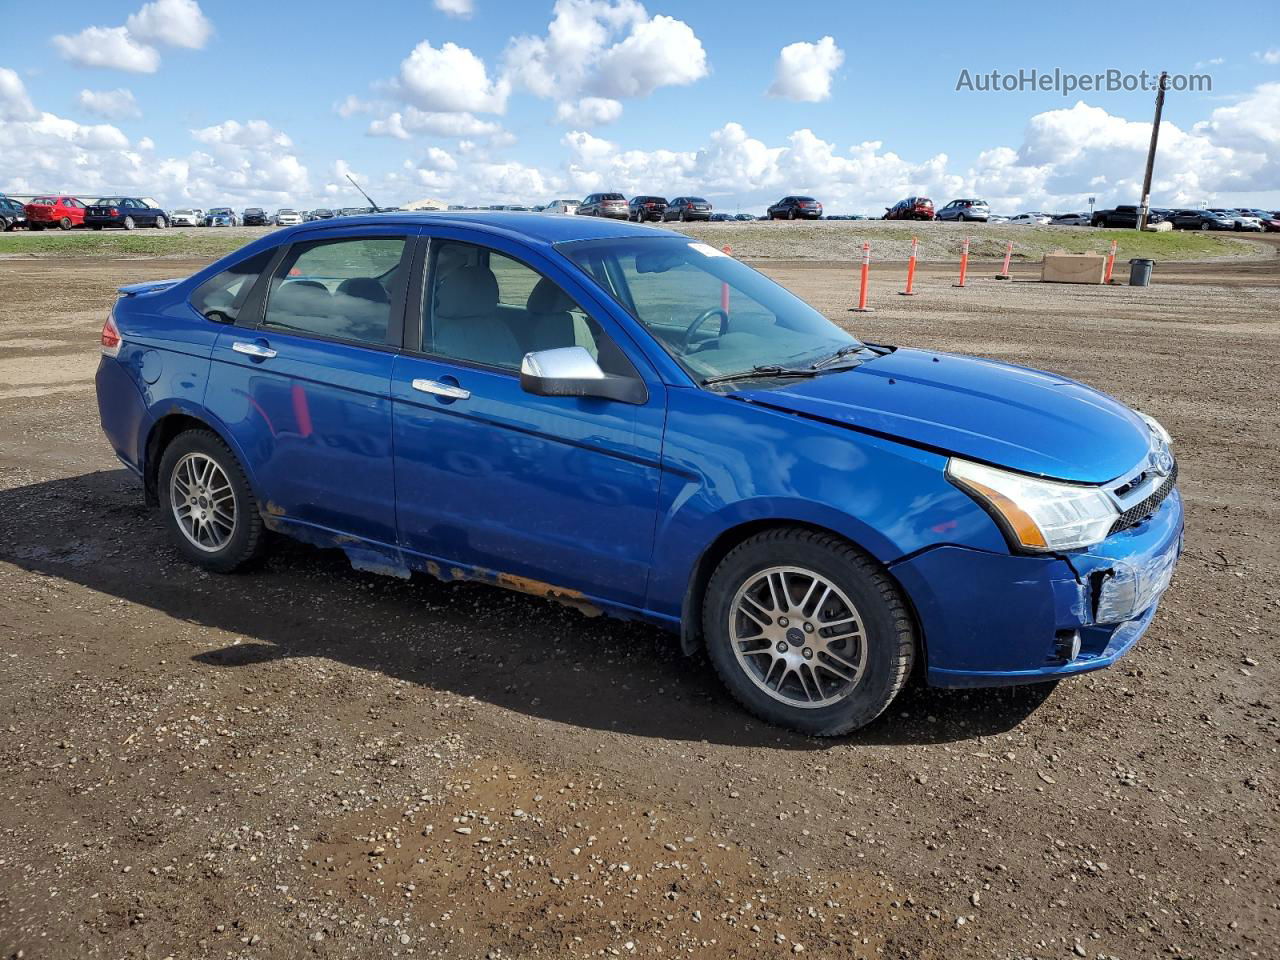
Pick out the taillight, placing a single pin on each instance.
(115, 212)
(111, 340)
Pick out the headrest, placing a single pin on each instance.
(467, 292)
(366, 288)
(547, 297)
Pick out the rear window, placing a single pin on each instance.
(612, 196)
(221, 297)
(45, 200)
(696, 200)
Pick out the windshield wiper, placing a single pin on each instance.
(761, 372)
(838, 355)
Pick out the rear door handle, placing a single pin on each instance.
(253, 349)
(441, 389)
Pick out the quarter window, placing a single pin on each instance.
(340, 289)
(221, 297)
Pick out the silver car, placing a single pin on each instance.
(962, 210)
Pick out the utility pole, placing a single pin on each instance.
(1151, 152)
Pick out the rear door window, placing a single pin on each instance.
(338, 289)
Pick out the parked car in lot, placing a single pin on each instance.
(1071, 220)
(320, 213)
(743, 217)
(1201, 220)
(1240, 220)
(221, 217)
(651, 454)
(562, 206)
(1269, 219)
(1033, 219)
(912, 208)
(186, 217)
(795, 208)
(255, 217)
(642, 209)
(612, 205)
(13, 214)
(686, 209)
(126, 212)
(286, 217)
(64, 213)
(720, 217)
(1124, 216)
(977, 210)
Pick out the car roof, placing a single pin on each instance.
(541, 227)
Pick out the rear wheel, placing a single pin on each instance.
(65, 223)
(1204, 226)
(207, 505)
(807, 631)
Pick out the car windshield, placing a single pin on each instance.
(220, 210)
(715, 315)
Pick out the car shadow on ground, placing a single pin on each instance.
(519, 652)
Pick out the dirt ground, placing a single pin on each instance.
(307, 761)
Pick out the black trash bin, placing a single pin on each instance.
(1140, 272)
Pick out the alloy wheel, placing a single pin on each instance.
(203, 502)
(798, 637)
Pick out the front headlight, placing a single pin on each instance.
(1039, 515)
(1158, 431)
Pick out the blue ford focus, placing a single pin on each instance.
(624, 419)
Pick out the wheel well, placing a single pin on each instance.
(163, 434)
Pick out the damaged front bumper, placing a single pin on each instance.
(995, 619)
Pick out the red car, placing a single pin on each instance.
(61, 212)
(912, 208)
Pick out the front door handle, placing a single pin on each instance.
(441, 389)
(253, 349)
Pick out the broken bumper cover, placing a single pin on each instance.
(996, 619)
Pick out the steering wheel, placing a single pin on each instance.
(702, 318)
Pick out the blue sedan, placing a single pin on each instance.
(633, 422)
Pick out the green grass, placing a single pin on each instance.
(122, 243)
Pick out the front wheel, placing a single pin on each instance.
(128, 223)
(791, 215)
(207, 504)
(161, 223)
(807, 631)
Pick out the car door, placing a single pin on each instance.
(302, 380)
(555, 490)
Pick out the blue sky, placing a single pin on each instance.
(271, 102)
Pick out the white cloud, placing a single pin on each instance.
(803, 71)
(255, 133)
(1271, 56)
(588, 112)
(111, 47)
(605, 48)
(662, 52)
(456, 8)
(450, 79)
(174, 23)
(351, 105)
(118, 104)
(404, 124)
(15, 104)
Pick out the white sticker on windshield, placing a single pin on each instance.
(707, 251)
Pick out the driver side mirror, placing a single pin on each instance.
(573, 372)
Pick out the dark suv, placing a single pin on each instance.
(796, 208)
(912, 208)
(12, 214)
(256, 217)
(641, 209)
(965, 210)
(687, 208)
(612, 205)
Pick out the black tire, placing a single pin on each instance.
(791, 214)
(35, 227)
(97, 226)
(246, 540)
(65, 223)
(890, 640)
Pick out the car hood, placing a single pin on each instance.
(1027, 420)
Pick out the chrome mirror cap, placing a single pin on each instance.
(562, 363)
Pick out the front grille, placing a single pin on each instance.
(1140, 511)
